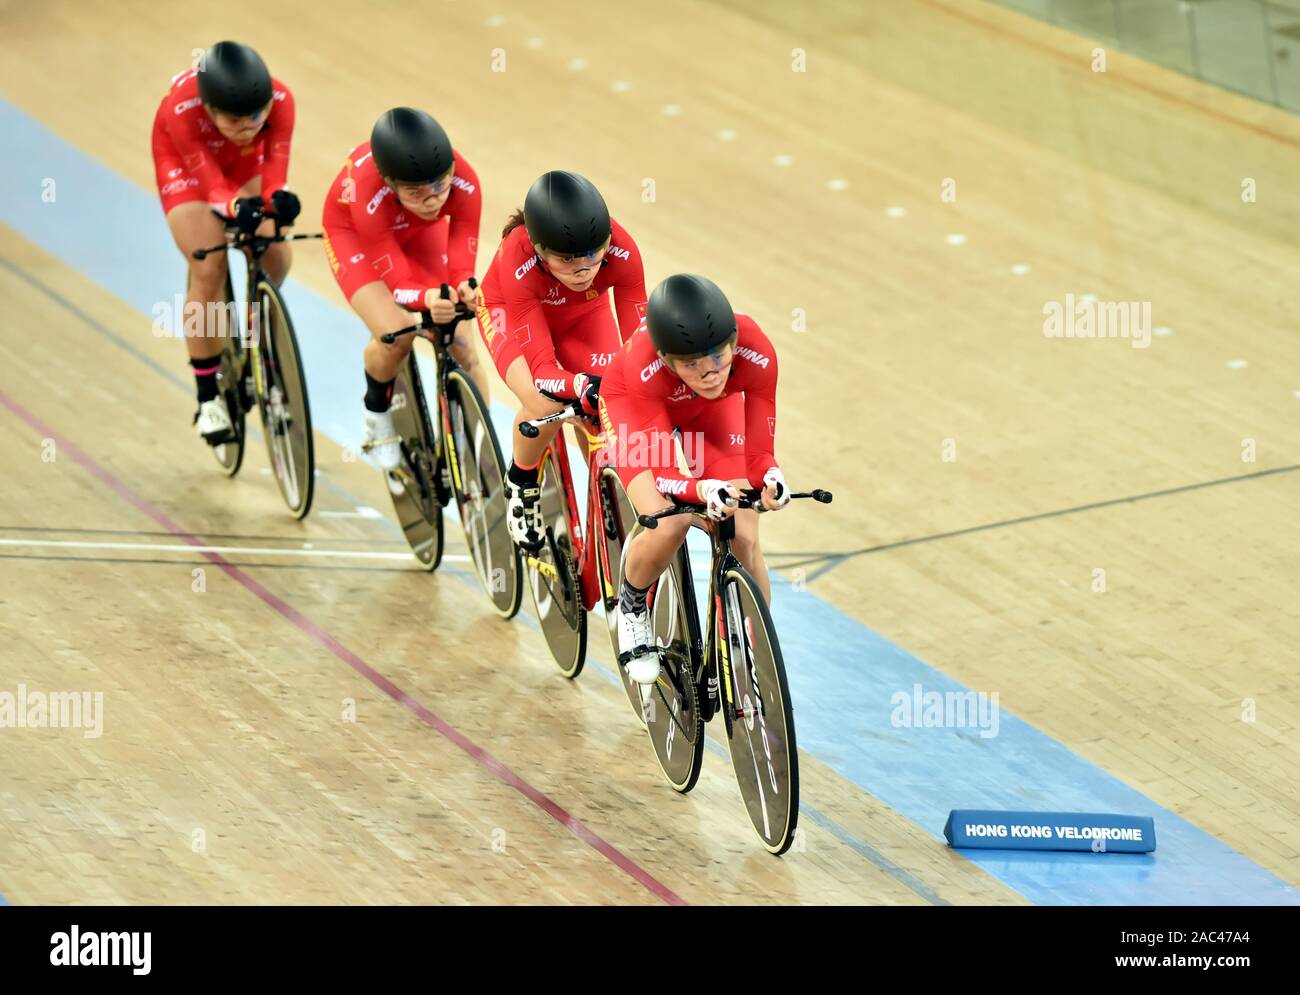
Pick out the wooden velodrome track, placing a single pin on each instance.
(473, 772)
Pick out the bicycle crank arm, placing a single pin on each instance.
(376, 443)
(547, 570)
(403, 481)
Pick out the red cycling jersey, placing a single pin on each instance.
(194, 161)
(524, 310)
(369, 236)
(729, 437)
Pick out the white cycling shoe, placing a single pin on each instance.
(213, 421)
(381, 440)
(637, 650)
(524, 515)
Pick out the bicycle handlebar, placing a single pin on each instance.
(426, 322)
(572, 407)
(752, 498)
(236, 239)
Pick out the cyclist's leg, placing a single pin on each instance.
(650, 551)
(374, 304)
(638, 450)
(645, 558)
(528, 452)
(513, 369)
(637, 454)
(465, 351)
(589, 344)
(204, 325)
(203, 321)
(371, 299)
(523, 489)
(194, 226)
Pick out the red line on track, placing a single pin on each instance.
(320, 635)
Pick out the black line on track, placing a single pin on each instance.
(831, 560)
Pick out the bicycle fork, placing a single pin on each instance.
(733, 646)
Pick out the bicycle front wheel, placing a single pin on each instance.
(230, 382)
(478, 480)
(617, 521)
(282, 401)
(761, 734)
(672, 715)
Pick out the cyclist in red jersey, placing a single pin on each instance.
(697, 368)
(401, 219)
(221, 152)
(545, 317)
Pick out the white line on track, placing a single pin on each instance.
(150, 547)
(363, 511)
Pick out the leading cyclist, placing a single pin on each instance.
(221, 154)
(701, 371)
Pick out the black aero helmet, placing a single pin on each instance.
(409, 146)
(563, 212)
(688, 315)
(233, 78)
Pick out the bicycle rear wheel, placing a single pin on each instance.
(761, 731)
(282, 401)
(554, 582)
(414, 485)
(478, 480)
(672, 613)
(672, 715)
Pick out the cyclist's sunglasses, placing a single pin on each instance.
(435, 189)
(588, 258)
(704, 362)
(256, 117)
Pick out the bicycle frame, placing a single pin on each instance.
(717, 644)
(253, 248)
(716, 658)
(585, 543)
(445, 363)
